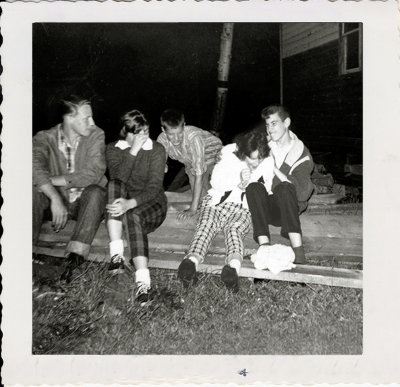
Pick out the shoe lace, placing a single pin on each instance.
(142, 288)
(117, 258)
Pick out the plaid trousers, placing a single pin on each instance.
(229, 217)
(139, 221)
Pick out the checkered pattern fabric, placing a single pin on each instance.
(139, 221)
(228, 217)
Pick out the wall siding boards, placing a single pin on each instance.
(300, 37)
(325, 106)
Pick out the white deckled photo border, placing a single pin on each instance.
(381, 206)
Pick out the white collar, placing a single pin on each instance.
(123, 144)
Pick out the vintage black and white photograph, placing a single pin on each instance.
(214, 192)
(197, 188)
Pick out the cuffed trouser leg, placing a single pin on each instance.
(286, 199)
(40, 203)
(88, 212)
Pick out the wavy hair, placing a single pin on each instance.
(251, 141)
(272, 109)
(134, 122)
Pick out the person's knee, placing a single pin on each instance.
(285, 189)
(255, 188)
(95, 192)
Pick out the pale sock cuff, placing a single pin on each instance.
(194, 260)
(143, 275)
(236, 264)
(116, 247)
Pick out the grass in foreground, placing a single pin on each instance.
(97, 314)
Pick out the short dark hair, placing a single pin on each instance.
(71, 103)
(172, 118)
(132, 121)
(251, 141)
(272, 109)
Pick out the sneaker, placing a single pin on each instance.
(73, 261)
(230, 278)
(187, 272)
(117, 264)
(142, 292)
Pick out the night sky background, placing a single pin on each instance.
(151, 67)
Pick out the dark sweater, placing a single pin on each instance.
(142, 174)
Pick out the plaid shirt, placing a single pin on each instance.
(197, 151)
(69, 153)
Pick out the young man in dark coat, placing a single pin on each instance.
(291, 186)
(68, 178)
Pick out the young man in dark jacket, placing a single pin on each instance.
(291, 186)
(68, 178)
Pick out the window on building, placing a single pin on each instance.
(350, 47)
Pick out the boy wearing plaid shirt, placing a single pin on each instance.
(196, 148)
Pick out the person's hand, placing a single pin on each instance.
(187, 214)
(119, 206)
(137, 143)
(218, 157)
(245, 175)
(59, 214)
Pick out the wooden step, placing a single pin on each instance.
(214, 263)
(178, 239)
(325, 235)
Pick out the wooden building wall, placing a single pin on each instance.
(326, 106)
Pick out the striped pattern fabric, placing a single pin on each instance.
(139, 221)
(198, 150)
(69, 152)
(228, 217)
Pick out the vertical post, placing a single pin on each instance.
(223, 76)
(281, 63)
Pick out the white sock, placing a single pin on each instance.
(194, 260)
(143, 275)
(116, 247)
(236, 264)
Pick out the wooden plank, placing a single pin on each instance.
(178, 239)
(213, 264)
(318, 227)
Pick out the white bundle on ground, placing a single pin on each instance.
(275, 258)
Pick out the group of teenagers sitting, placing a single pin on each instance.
(261, 179)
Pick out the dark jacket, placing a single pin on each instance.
(48, 160)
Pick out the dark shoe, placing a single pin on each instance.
(74, 261)
(230, 278)
(117, 264)
(187, 272)
(142, 293)
(299, 256)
